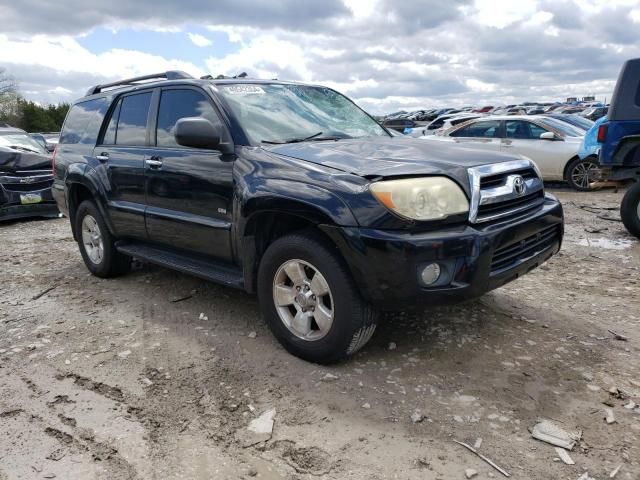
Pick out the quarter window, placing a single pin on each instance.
(132, 121)
(177, 104)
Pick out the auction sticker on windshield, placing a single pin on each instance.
(30, 198)
(244, 89)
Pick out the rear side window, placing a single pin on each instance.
(83, 122)
(132, 119)
(479, 130)
(523, 130)
(177, 104)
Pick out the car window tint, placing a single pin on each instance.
(110, 133)
(523, 130)
(83, 122)
(132, 122)
(488, 129)
(177, 104)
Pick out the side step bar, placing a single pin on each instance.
(206, 269)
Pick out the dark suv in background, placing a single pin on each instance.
(292, 191)
(25, 176)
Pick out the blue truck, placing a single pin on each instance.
(620, 138)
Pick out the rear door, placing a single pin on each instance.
(523, 138)
(122, 151)
(188, 190)
(484, 135)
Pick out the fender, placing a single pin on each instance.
(83, 174)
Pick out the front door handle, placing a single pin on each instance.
(153, 162)
(103, 157)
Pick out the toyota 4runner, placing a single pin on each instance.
(293, 192)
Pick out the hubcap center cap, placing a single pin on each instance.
(304, 299)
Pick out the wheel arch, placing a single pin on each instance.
(79, 189)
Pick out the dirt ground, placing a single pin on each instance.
(116, 379)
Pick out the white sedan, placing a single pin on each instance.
(552, 144)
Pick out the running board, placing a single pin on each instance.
(191, 265)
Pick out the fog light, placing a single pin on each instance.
(430, 274)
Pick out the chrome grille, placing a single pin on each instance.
(26, 180)
(504, 190)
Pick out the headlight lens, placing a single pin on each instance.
(427, 198)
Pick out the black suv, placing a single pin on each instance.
(25, 176)
(293, 192)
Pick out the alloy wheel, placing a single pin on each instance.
(92, 239)
(303, 300)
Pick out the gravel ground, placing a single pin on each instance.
(116, 379)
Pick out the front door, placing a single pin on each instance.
(523, 138)
(189, 190)
(122, 151)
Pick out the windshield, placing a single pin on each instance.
(21, 142)
(274, 113)
(563, 127)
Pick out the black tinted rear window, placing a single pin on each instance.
(83, 122)
(132, 122)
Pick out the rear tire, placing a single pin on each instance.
(630, 209)
(310, 301)
(97, 245)
(580, 173)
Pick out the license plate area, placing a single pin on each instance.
(30, 198)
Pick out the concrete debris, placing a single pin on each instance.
(330, 377)
(147, 382)
(551, 433)
(124, 354)
(417, 417)
(203, 317)
(260, 429)
(608, 416)
(470, 473)
(631, 405)
(478, 443)
(366, 406)
(585, 476)
(615, 471)
(564, 456)
(392, 346)
(486, 459)
(252, 335)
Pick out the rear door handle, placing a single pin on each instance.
(103, 157)
(153, 162)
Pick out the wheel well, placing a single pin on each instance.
(78, 193)
(265, 228)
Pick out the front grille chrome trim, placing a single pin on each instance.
(502, 193)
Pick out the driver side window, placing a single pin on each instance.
(180, 103)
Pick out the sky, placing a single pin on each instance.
(385, 54)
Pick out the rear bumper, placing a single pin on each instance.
(473, 259)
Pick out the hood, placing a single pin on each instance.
(390, 156)
(12, 160)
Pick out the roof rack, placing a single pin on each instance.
(170, 75)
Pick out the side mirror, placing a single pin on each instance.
(198, 132)
(548, 136)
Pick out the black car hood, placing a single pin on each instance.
(12, 160)
(390, 156)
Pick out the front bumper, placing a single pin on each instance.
(385, 264)
(12, 207)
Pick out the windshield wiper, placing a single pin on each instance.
(293, 140)
(20, 147)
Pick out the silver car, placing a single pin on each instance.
(552, 144)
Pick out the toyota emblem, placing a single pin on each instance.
(519, 187)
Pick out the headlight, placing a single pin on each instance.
(427, 198)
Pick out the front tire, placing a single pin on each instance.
(97, 245)
(630, 209)
(581, 172)
(310, 302)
